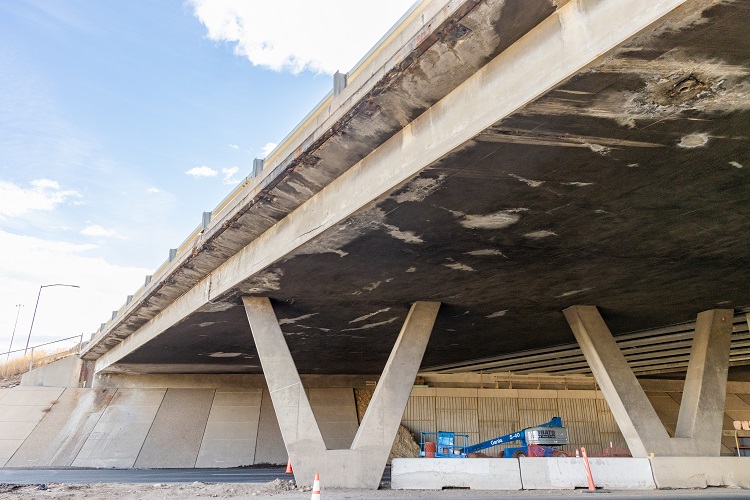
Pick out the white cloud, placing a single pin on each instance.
(97, 230)
(153, 190)
(270, 146)
(229, 174)
(31, 262)
(199, 172)
(44, 194)
(45, 184)
(234, 146)
(298, 35)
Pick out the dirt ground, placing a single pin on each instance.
(10, 381)
(278, 490)
(286, 490)
(119, 491)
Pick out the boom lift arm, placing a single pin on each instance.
(551, 433)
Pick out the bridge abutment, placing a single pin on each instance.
(360, 466)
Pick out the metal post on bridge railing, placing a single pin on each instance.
(31, 359)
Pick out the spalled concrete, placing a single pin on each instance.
(700, 472)
(175, 436)
(551, 473)
(439, 473)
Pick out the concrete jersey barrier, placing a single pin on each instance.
(439, 473)
(568, 473)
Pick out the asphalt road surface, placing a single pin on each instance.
(89, 476)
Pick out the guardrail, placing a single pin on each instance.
(273, 159)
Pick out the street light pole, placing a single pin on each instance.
(12, 335)
(35, 308)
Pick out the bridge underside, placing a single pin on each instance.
(626, 186)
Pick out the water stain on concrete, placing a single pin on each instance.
(367, 316)
(498, 314)
(419, 189)
(291, 321)
(459, 267)
(693, 141)
(540, 234)
(371, 325)
(497, 220)
(486, 252)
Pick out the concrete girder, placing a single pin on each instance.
(362, 465)
(700, 419)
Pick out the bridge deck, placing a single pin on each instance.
(624, 185)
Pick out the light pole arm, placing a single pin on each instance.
(32, 320)
(33, 317)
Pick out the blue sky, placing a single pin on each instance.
(121, 121)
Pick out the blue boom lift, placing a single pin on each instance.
(535, 441)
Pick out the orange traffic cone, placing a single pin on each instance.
(589, 477)
(316, 488)
(289, 466)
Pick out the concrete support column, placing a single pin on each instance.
(383, 416)
(701, 412)
(293, 411)
(706, 381)
(362, 465)
(638, 421)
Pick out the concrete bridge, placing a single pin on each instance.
(495, 177)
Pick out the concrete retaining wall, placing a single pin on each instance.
(61, 434)
(177, 431)
(439, 473)
(157, 427)
(569, 473)
(119, 434)
(232, 428)
(22, 410)
(65, 372)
